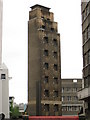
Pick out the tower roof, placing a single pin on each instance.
(39, 6)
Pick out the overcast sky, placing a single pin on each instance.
(15, 36)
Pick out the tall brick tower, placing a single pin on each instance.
(44, 65)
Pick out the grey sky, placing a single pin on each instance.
(15, 36)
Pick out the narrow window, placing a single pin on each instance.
(55, 67)
(46, 52)
(55, 93)
(46, 93)
(46, 107)
(46, 79)
(46, 39)
(43, 26)
(55, 54)
(55, 42)
(3, 76)
(46, 65)
(56, 108)
(52, 29)
(55, 80)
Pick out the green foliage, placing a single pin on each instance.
(15, 112)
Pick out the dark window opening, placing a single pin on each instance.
(46, 93)
(43, 26)
(48, 19)
(55, 67)
(46, 79)
(46, 107)
(42, 17)
(3, 76)
(52, 29)
(46, 65)
(55, 42)
(55, 93)
(56, 108)
(55, 54)
(46, 52)
(55, 80)
(46, 39)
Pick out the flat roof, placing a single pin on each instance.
(40, 6)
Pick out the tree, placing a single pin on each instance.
(15, 112)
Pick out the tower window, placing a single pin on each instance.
(56, 108)
(55, 80)
(46, 52)
(45, 39)
(55, 67)
(46, 107)
(52, 29)
(3, 76)
(55, 42)
(46, 93)
(55, 54)
(43, 26)
(55, 93)
(46, 79)
(46, 65)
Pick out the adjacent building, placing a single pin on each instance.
(84, 94)
(44, 66)
(71, 106)
(4, 77)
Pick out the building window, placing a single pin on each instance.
(46, 107)
(85, 59)
(69, 108)
(74, 81)
(63, 98)
(75, 98)
(55, 54)
(89, 56)
(87, 10)
(56, 108)
(46, 52)
(55, 67)
(55, 93)
(46, 93)
(62, 89)
(46, 39)
(3, 76)
(55, 80)
(55, 42)
(46, 65)
(52, 29)
(43, 26)
(69, 98)
(88, 31)
(86, 82)
(46, 79)
(74, 89)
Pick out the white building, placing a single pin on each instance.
(4, 79)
